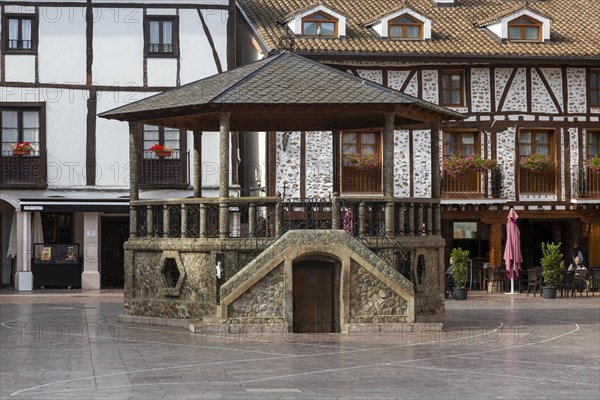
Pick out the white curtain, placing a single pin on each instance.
(154, 32)
(12, 239)
(167, 32)
(13, 33)
(26, 32)
(37, 233)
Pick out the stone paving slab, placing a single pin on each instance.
(69, 345)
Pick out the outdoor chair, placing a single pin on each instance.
(567, 284)
(595, 272)
(494, 278)
(474, 276)
(534, 281)
(580, 278)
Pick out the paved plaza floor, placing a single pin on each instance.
(68, 345)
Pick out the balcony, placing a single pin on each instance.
(537, 182)
(467, 185)
(589, 183)
(164, 171)
(23, 170)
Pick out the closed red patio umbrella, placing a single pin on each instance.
(512, 252)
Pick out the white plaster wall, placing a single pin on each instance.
(19, 68)
(541, 100)
(402, 178)
(516, 100)
(422, 163)
(118, 48)
(371, 75)
(62, 45)
(210, 159)
(288, 166)
(554, 79)
(397, 78)
(506, 161)
(319, 165)
(162, 71)
(501, 76)
(216, 20)
(429, 81)
(576, 89)
(480, 90)
(66, 126)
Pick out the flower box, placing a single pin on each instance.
(21, 149)
(160, 150)
(21, 152)
(163, 153)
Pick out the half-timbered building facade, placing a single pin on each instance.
(526, 75)
(60, 65)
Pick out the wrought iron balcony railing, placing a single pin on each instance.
(23, 170)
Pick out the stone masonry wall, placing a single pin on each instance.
(506, 161)
(319, 166)
(288, 166)
(197, 297)
(371, 301)
(264, 301)
(480, 83)
(422, 163)
(402, 178)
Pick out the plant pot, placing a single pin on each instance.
(21, 152)
(549, 292)
(460, 293)
(162, 153)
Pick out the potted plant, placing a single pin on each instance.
(457, 165)
(536, 162)
(459, 272)
(496, 180)
(22, 149)
(160, 150)
(553, 265)
(363, 162)
(594, 164)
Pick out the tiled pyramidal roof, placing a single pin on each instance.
(456, 30)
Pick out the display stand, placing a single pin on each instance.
(56, 265)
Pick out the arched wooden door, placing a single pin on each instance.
(313, 297)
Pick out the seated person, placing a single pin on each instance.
(577, 265)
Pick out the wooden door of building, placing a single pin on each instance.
(115, 232)
(313, 297)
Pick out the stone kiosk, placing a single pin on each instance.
(334, 264)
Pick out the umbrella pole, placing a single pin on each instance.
(512, 280)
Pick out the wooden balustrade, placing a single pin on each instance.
(537, 182)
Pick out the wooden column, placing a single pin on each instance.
(337, 165)
(496, 245)
(197, 163)
(388, 155)
(135, 131)
(436, 176)
(224, 175)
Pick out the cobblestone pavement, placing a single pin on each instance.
(68, 345)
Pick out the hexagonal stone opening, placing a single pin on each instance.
(171, 273)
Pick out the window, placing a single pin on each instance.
(161, 36)
(535, 142)
(525, 28)
(320, 24)
(21, 33)
(405, 27)
(354, 180)
(164, 170)
(57, 227)
(20, 125)
(594, 85)
(453, 87)
(460, 142)
(593, 144)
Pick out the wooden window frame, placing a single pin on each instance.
(444, 90)
(595, 90)
(523, 37)
(551, 142)
(477, 144)
(174, 19)
(404, 27)
(342, 168)
(331, 19)
(34, 33)
(161, 138)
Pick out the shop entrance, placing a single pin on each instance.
(313, 297)
(115, 232)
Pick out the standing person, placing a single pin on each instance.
(449, 279)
